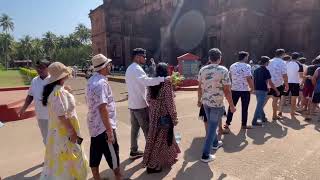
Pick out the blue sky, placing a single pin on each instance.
(35, 17)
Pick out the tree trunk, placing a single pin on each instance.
(5, 56)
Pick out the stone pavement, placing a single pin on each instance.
(284, 149)
(12, 96)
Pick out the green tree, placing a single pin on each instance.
(26, 47)
(73, 55)
(68, 41)
(6, 44)
(83, 33)
(37, 52)
(49, 41)
(7, 25)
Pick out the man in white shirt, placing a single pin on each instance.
(137, 82)
(35, 93)
(242, 85)
(294, 71)
(279, 77)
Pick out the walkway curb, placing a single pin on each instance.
(14, 88)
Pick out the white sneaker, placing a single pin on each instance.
(209, 159)
(220, 144)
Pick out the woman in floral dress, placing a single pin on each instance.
(64, 158)
(161, 148)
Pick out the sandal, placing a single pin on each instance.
(275, 118)
(307, 119)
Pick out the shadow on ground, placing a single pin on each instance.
(108, 174)
(269, 131)
(293, 123)
(235, 143)
(24, 174)
(198, 169)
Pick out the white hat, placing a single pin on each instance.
(57, 71)
(99, 62)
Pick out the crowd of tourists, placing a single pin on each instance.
(152, 108)
(284, 76)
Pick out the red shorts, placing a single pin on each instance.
(308, 91)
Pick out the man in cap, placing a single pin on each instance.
(137, 81)
(35, 93)
(102, 122)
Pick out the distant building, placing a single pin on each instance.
(21, 63)
(98, 30)
(170, 28)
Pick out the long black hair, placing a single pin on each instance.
(47, 90)
(161, 71)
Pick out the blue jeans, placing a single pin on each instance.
(214, 116)
(259, 113)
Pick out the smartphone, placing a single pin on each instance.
(79, 140)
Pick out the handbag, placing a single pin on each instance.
(165, 121)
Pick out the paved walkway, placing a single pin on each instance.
(7, 97)
(285, 149)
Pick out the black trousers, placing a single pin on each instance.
(245, 100)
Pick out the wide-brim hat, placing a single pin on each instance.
(99, 62)
(57, 71)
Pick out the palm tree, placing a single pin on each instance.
(37, 52)
(7, 25)
(26, 46)
(73, 41)
(6, 42)
(49, 43)
(68, 41)
(83, 33)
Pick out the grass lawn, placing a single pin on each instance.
(11, 78)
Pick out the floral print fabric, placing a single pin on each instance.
(212, 79)
(64, 160)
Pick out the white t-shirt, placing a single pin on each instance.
(277, 68)
(137, 82)
(35, 90)
(294, 69)
(239, 72)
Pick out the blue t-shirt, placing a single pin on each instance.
(261, 75)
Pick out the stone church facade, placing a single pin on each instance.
(170, 28)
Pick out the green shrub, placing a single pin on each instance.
(29, 73)
(177, 79)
